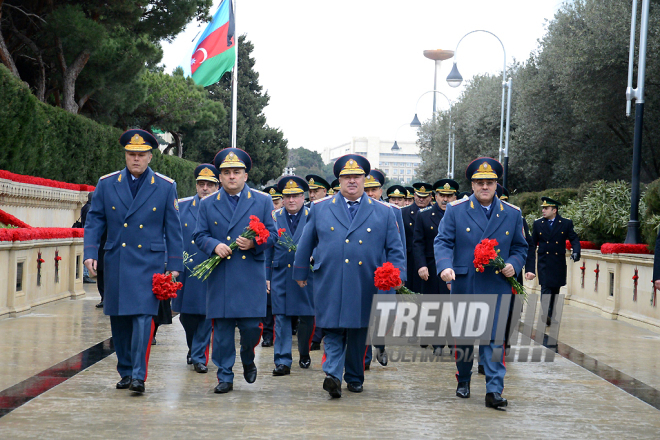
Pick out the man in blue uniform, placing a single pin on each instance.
(422, 200)
(288, 298)
(191, 300)
(236, 289)
(137, 208)
(426, 228)
(396, 195)
(373, 186)
(318, 189)
(550, 233)
(352, 235)
(268, 322)
(465, 224)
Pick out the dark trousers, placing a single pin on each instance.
(553, 292)
(345, 350)
(283, 338)
(224, 348)
(318, 334)
(131, 335)
(198, 336)
(100, 282)
(495, 370)
(268, 323)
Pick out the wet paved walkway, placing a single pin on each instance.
(403, 400)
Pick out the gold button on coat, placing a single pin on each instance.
(113, 207)
(332, 228)
(360, 263)
(154, 208)
(126, 225)
(185, 224)
(431, 227)
(467, 230)
(360, 242)
(368, 229)
(346, 260)
(347, 240)
(193, 242)
(215, 223)
(243, 257)
(229, 257)
(507, 232)
(288, 265)
(141, 226)
(228, 238)
(139, 246)
(123, 245)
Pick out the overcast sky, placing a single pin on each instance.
(347, 68)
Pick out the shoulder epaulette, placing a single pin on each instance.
(395, 206)
(210, 195)
(164, 177)
(272, 214)
(540, 218)
(509, 204)
(384, 203)
(425, 209)
(323, 199)
(185, 199)
(458, 202)
(260, 192)
(108, 175)
(280, 211)
(566, 218)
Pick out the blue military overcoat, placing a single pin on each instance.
(135, 247)
(463, 226)
(286, 296)
(237, 286)
(347, 255)
(192, 298)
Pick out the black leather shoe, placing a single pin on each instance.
(367, 367)
(463, 390)
(281, 370)
(354, 387)
(548, 321)
(305, 362)
(267, 343)
(99, 305)
(223, 387)
(480, 370)
(315, 346)
(137, 386)
(495, 400)
(332, 386)
(250, 373)
(381, 356)
(153, 341)
(201, 368)
(188, 358)
(124, 383)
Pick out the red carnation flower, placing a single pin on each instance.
(280, 231)
(164, 287)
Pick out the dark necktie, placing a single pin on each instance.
(487, 212)
(234, 201)
(552, 222)
(353, 208)
(293, 222)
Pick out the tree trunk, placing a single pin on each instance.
(177, 141)
(41, 77)
(69, 77)
(5, 56)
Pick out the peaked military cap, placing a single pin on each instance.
(335, 185)
(289, 185)
(547, 201)
(446, 186)
(484, 168)
(396, 191)
(274, 193)
(208, 172)
(502, 192)
(331, 192)
(232, 158)
(375, 179)
(463, 195)
(316, 182)
(351, 164)
(422, 189)
(410, 191)
(138, 140)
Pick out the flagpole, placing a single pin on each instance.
(234, 83)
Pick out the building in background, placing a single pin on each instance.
(399, 164)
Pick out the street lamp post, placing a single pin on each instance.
(633, 236)
(450, 150)
(438, 56)
(454, 79)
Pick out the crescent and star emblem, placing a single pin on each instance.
(194, 60)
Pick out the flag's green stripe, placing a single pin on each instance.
(213, 68)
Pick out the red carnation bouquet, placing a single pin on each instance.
(388, 277)
(255, 231)
(286, 240)
(485, 254)
(164, 286)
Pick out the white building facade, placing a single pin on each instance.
(399, 164)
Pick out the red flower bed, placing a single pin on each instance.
(8, 219)
(44, 182)
(583, 245)
(26, 234)
(623, 248)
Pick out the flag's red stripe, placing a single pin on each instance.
(214, 44)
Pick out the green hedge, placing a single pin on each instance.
(530, 202)
(45, 141)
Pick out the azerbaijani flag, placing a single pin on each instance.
(215, 51)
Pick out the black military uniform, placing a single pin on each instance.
(426, 228)
(409, 214)
(269, 322)
(551, 236)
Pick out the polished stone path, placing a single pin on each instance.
(403, 400)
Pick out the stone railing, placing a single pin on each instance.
(25, 286)
(41, 206)
(611, 291)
